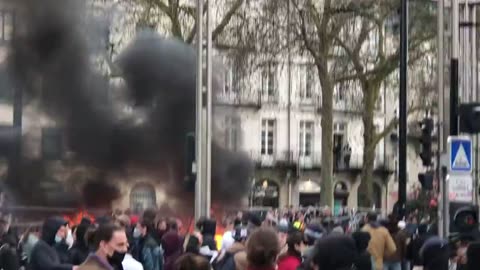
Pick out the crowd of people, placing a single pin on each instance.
(250, 242)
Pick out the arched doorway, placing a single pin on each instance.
(377, 195)
(340, 196)
(374, 200)
(266, 193)
(142, 197)
(309, 193)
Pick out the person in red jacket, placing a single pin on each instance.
(293, 257)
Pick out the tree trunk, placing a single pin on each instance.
(369, 136)
(326, 198)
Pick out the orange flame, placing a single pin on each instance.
(76, 218)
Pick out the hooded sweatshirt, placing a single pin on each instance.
(79, 251)
(44, 256)
(362, 239)
(172, 245)
(435, 253)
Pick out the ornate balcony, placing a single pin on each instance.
(239, 99)
(314, 161)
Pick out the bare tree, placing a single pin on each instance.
(177, 18)
(316, 25)
(373, 65)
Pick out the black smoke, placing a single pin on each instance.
(50, 58)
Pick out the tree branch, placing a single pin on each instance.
(226, 19)
(393, 124)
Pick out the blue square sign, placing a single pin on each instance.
(460, 154)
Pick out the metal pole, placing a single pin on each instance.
(441, 135)
(199, 113)
(208, 163)
(475, 97)
(289, 107)
(402, 181)
(454, 70)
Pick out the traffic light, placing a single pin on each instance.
(426, 180)
(190, 173)
(468, 114)
(426, 141)
(464, 218)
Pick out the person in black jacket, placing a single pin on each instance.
(79, 251)
(9, 259)
(413, 249)
(44, 256)
(363, 261)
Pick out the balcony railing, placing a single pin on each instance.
(247, 99)
(349, 103)
(314, 160)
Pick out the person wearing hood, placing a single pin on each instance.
(381, 243)
(364, 261)
(172, 245)
(44, 256)
(334, 252)
(79, 251)
(111, 245)
(293, 257)
(435, 253)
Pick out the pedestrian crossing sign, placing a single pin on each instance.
(460, 154)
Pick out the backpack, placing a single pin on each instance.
(225, 263)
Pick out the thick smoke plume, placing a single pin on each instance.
(51, 58)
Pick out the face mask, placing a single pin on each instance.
(58, 239)
(116, 258)
(136, 233)
(32, 240)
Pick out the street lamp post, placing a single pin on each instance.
(402, 156)
(203, 129)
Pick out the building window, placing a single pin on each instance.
(339, 132)
(306, 138)
(340, 92)
(232, 131)
(306, 81)
(6, 88)
(379, 104)
(142, 197)
(232, 80)
(265, 193)
(269, 81)
(268, 135)
(52, 143)
(7, 19)
(227, 81)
